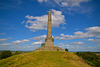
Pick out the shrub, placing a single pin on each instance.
(17, 52)
(90, 58)
(66, 49)
(5, 54)
(43, 44)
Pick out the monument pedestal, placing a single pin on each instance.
(49, 41)
(49, 48)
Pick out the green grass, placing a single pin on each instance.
(44, 59)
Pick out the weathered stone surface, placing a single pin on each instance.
(49, 48)
(49, 41)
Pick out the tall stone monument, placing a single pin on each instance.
(49, 41)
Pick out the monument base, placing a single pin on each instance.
(49, 48)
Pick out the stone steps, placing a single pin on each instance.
(50, 48)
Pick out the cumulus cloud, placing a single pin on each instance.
(42, 1)
(71, 5)
(68, 3)
(93, 40)
(91, 32)
(25, 40)
(37, 43)
(77, 43)
(90, 39)
(40, 22)
(20, 41)
(39, 38)
(63, 45)
(5, 44)
(17, 42)
(1, 40)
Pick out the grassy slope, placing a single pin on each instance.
(44, 59)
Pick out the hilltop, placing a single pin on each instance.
(44, 59)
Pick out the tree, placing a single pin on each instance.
(5, 54)
(43, 44)
(17, 52)
(66, 49)
(90, 58)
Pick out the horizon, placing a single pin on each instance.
(75, 24)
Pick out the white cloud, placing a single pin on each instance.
(40, 22)
(39, 37)
(93, 40)
(1, 40)
(17, 42)
(20, 41)
(77, 43)
(91, 32)
(72, 5)
(67, 3)
(90, 39)
(5, 44)
(64, 4)
(37, 43)
(95, 28)
(25, 40)
(60, 38)
(42, 1)
(62, 35)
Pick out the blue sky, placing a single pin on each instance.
(75, 24)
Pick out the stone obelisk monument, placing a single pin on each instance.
(49, 41)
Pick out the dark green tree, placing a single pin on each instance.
(5, 54)
(17, 52)
(43, 44)
(66, 49)
(90, 58)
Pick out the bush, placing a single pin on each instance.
(43, 44)
(5, 54)
(66, 49)
(90, 58)
(17, 52)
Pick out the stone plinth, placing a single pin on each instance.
(49, 42)
(49, 48)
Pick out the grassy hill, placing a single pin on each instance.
(44, 59)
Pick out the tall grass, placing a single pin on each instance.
(44, 59)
